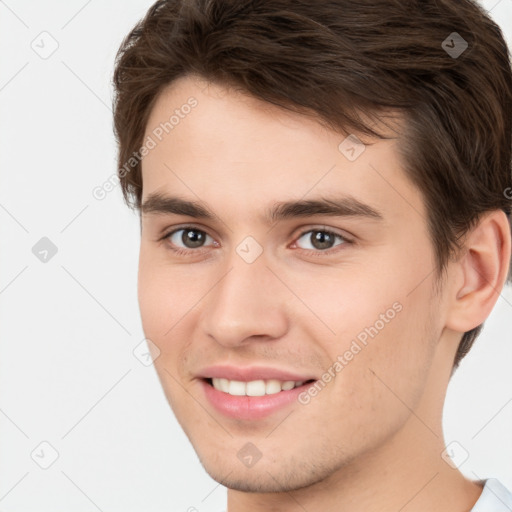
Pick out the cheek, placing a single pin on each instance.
(380, 382)
(165, 295)
(391, 369)
(166, 292)
(151, 296)
(387, 326)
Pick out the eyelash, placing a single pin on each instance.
(186, 252)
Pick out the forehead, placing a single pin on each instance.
(222, 146)
(233, 124)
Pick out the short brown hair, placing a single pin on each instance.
(337, 59)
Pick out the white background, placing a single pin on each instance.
(68, 375)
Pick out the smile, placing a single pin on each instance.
(251, 400)
(253, 387)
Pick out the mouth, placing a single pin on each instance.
(254, 388)
(251, 400)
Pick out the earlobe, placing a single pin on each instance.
(483, 270)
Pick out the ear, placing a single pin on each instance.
(481, 272)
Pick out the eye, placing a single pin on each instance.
(321, 239)
(191, 238)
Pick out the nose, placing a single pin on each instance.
(249, 302)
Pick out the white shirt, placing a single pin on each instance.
(495, 497)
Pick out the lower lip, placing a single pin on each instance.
(250, 407)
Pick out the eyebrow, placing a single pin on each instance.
(344, 206)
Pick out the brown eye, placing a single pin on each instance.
(187, 238)
(321, 239)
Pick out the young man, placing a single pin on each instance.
(324, 189)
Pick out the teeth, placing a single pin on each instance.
(224, 385)
(289, 384)
(273, 387)
(236, 388)
(254, 387)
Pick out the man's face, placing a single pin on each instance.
(300, 299)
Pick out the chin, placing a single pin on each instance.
(257, 481)
(266, 476)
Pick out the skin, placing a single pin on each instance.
(372, 438)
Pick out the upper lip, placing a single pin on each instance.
(247, 374)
